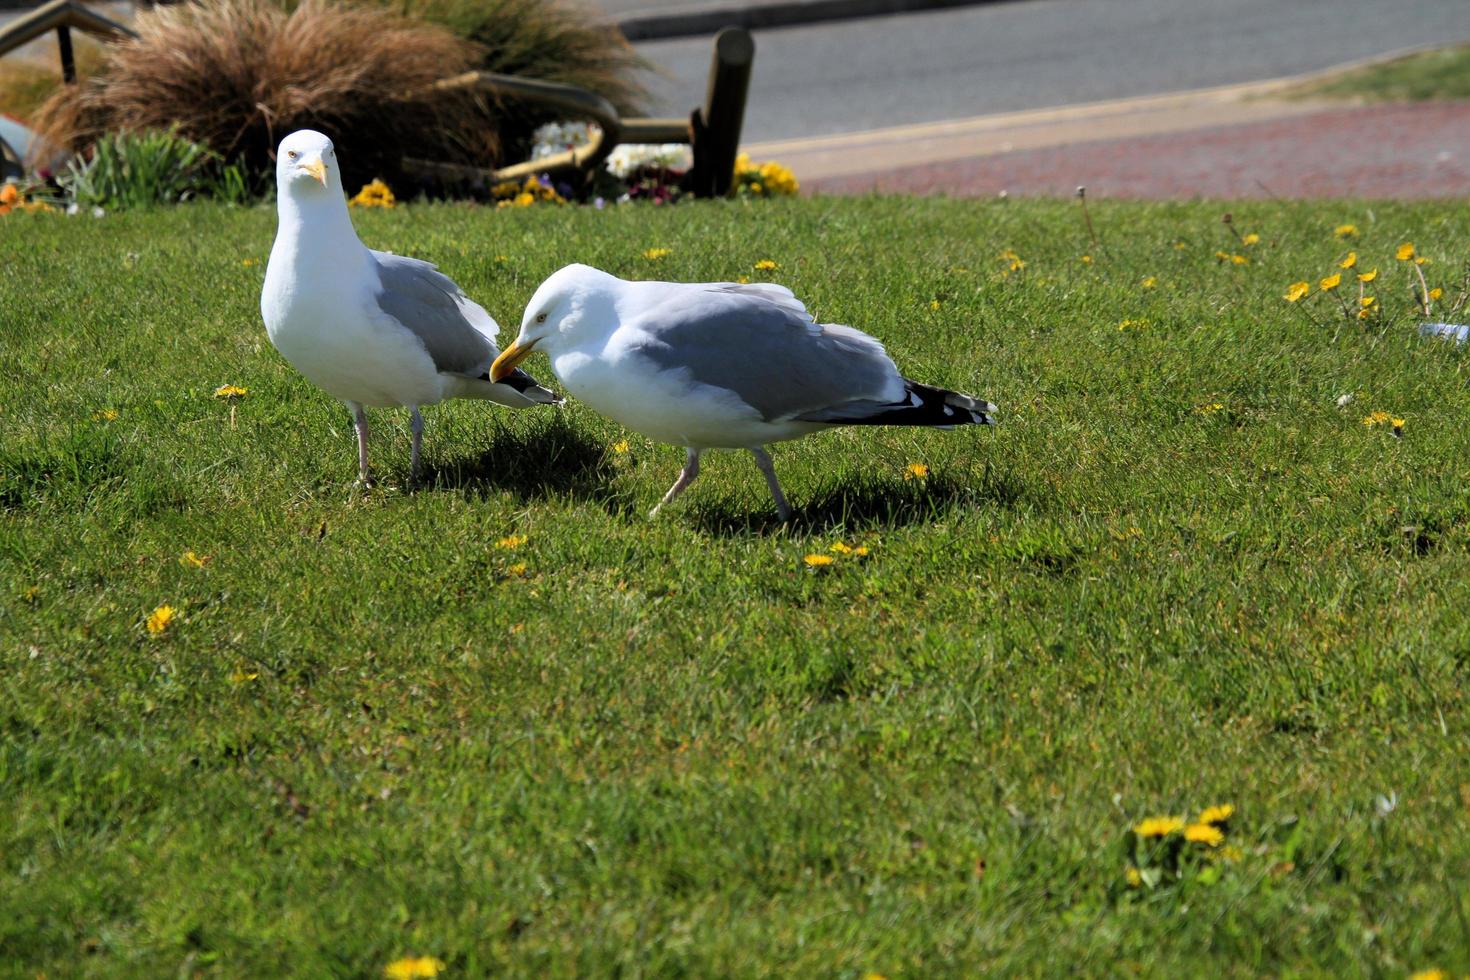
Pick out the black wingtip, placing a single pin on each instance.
(523, 383)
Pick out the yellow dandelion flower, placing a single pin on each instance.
(1346, 231)
(502, 258)
(654, 254)
(1204, 833)
(1297, 290)
(518, 570)
(1375, 418)
(1150, 282)
(511, 541)
(1433, 973)
(105, 415)
(1405, 252)
(766, 265)
(240, 676)
(841, 548)
(817, 561)
(231, 391)
(1434, 293)
(1222, 256)
(1239, 260)
(1367, 301)
(1216, 814)
(414, 968)
(860, 550)
(915, 471)
(1421, 260)
(1349, 262)
(1087, 260)
(621, 446)
(1132, 324)
(742, 279)
(1231, 853)
(1210, 408)
(1331, 282)
(1158, 826)
(934, 304)
(1368, 276)
(160, 618)
(247, 263)
(1250, 239)
(1132, 876)
(191, 560)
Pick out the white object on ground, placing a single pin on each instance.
(719, 366)
(1457, 332)
(372, 329)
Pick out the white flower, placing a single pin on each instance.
(630, 158)
(554, 138)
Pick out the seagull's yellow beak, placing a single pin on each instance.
(509, 358)
(317, 169)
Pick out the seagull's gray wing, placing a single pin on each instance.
(458, 334)
(759, 342)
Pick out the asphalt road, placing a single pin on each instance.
(863, 74)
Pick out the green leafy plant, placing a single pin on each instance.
(136, 170)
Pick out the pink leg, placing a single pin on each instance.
(359, 418)
(686, 477)
(763, 460)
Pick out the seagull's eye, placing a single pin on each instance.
(292, 154)
(540, 317)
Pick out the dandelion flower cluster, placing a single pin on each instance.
(231, 391)
(374, 195)
(916, 471)
(511, 542)
(766, 265)
(654, 254)
(1158, 826)
(414, 968)
(160, 619)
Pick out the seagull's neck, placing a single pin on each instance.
(314, 231)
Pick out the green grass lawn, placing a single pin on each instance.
(1440, 73)
(1179, 574)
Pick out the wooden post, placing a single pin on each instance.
(716, 127)
(68, 59)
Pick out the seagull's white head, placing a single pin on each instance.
(306, 163)
(574, 302)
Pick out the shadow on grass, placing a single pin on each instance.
(554, 460)
(866, 503)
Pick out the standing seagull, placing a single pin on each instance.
(719, 366)
(373, 329)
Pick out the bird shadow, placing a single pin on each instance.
(866, 503)
(552, 460)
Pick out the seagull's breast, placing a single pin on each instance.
(322, 317)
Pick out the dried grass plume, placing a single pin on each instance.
(238, 75)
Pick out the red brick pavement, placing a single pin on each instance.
(1378, 151)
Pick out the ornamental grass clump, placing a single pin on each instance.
(238, 75)
(563, 41)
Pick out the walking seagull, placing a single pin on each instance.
(373, 329)
(719, 366)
